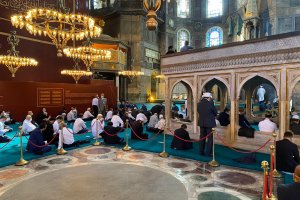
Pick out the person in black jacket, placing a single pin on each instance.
(246, 130)
(137, 128)
(108, 139)
(287, 154)
(183, 134)
(290, 191)
(294, 126)
(207, 120)
(224, 117)
(36, 142)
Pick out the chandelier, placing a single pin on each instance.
(13, 61)
(59, 26)
(131, 74)
(151, 6)
(76, 73)
(88, 54)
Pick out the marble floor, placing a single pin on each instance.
(109, 173)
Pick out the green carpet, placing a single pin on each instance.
(11, 153)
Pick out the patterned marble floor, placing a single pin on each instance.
(199, 179)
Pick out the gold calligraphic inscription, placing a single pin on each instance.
(78, 97)
(22, 5)
(50, 97)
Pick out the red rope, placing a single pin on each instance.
(113, 134)
(204, 138)
(9, 141)
(245, 152)
(42, 145)
(154, 136)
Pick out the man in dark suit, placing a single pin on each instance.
(137, 128)
(108, 139)
(224, 117)
(207, 120)
(36, 142)
(290, 191)
(287, 154)
(183, 134)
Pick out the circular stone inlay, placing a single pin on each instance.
(212, 195)
(97, 151)
(177, 165)
(199, 178)
(137, 156)
(237, 178)
(12, 174)
(59, 161)
(102, 182)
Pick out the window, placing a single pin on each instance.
(288, 24)
(214, 8)
(214, 36)
(182, 36)
(183, 8)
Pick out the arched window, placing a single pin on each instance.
(214, 8)
(182, 36)
(214, 36)
(183, 8)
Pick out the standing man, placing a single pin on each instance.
(207, 120)
(261, 97)
(95, 103)
(102, 104)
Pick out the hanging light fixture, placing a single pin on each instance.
(131, 74)
(88, 54)
(76, 72)
(13, 61)
(59, 26)
(151, 7)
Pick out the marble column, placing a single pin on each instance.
(233, 110)
(118, 87)
(283, 103)
(195, 102)
(167, 103)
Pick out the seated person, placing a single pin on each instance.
(290, 191)
(128, 117)
(9, 119)
(174, 110)
(246, 129)
(36, 139)
(66, 137)
(137, 129)
(109, 114)
(79, 126)
(287, 154)
(294, 126)
(71, 116)
(41, 116)
(182, 113)
(108, 139)
(180, 144)
(56, 123)
(3, 130)
(116, 119)
(159, 127)
(152, 122)
(141, 116)
(32, 119)
(224, 117)
(27, 125)
(97, 126)
(87, 115)
(267, 125)
(48, 132)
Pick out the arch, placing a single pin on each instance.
(293, 85)
(269, 78)
(219, 79)
(214, 36)
(183, 39)
(184, 81)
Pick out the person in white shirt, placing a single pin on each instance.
(79, 126)
(152, 122)
(27, 125)
(87, 115)
(116, 120)
(55, 125)
(161, 123)
(109, 114)
(261, 97)
(141, 117)
(71, 115)
(95, 103)
(267, 125)
(97, 126)
(3, 130)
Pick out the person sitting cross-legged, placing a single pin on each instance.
(111, 130)
(36, 142)
(137, 129)
(267, 125)
(287, 153)
(179, 144)
(152, 122)
(290, 191)
(3, 130)
(97, 126)
(79, 126)
(87, 115)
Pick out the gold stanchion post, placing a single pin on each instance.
(164, 154)
(213, 163)
(97, 143)
(272, 150)
(22, 161)
(61, 151)
(265, 166)
(276, 174)
(127, 147)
